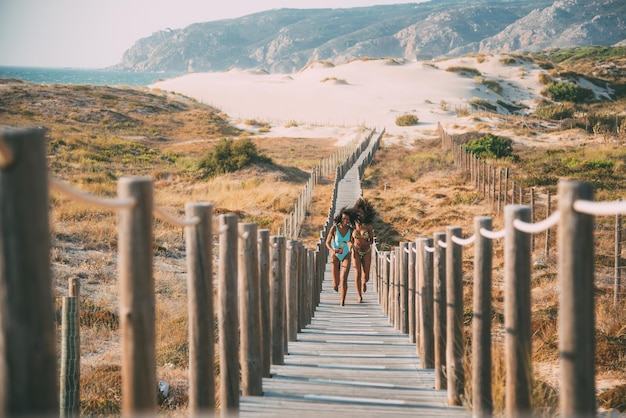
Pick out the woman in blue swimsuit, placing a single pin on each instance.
(339, 244)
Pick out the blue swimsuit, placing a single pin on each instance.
(341, 241)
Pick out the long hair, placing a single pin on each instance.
(365, 211)
(351, 212)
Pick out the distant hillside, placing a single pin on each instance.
(285, 40)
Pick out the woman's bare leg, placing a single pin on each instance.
(336, 266)
(344, 279)
(358, 271)
(366, 262)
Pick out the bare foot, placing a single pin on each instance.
(336, 287)
(359, 300)
(342, 303)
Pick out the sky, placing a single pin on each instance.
(95, 33)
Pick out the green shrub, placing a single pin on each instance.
(407, 120)
(555, 112)
(490, 146)
(569, 92)
(508, 60)
(228, 156)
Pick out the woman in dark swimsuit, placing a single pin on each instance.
(339, 244)
(362, 240)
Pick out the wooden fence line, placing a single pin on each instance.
(266, 269)
(440, 258)
(501, 189)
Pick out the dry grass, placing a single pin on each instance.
(416, 191)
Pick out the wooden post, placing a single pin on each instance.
(426, 341)
(137, 298)
(411, 291)
(576, 303)
(517, 340)
(228, 316)
(548, 209)
(28, 362)
(70, 352)
(439, 310)
(481, 323)
(532, 218)
(617, 284)
(264, 282)
(385, 273)
(277, 297)
(403, 283)
(199, 244)
(248, 286)
(292, 290)
(455, 346)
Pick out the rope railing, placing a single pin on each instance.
(280, 263)
(440, 266)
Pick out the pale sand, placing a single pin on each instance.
(331, 101)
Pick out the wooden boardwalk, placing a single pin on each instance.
(350, 361)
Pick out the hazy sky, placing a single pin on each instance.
(95, 33)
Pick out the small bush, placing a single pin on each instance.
(407, 120)
(228, 156)
(508, 60)
(480, 104)
(544, 78)
(490, 146)
(569, 92)
(555, 112)
(468, 71)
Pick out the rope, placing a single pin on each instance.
(533, 228)
(164, 216)
(461, 241)
(599, 208)
(492, 234)
(87, 198)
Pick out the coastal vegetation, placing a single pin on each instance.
(98, 134)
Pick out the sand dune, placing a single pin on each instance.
(325, 100)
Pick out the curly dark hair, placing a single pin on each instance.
(365, 211)
(351, 212)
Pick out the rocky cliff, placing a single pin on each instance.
(286, 40)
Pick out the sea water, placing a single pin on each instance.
(102, 77)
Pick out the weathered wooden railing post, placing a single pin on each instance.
(517, 340)
(264, 282)
(137, 297)
(403, 283)
(277, 298)
(439, 310)
(481, 321)
(248, 286)
(292, 290)
(411, 289)
(199, 244)
(228, 316)
(548, 209)
(455, 346)
(426, 342)
(28, 363)
(70, 352)
(302, 288)
(385, 282)
(576, 303)
(617, 278)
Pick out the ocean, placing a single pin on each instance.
(101, 77)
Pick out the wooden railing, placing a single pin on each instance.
(268, 288)
(420, 288)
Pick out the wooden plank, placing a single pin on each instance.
(349, 360)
